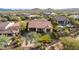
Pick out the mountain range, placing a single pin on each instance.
(9, 9)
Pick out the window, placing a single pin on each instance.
(39, 30)
(48, 30)
(32, 29)
(61, 22)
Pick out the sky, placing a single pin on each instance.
(23, 4)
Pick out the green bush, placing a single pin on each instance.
(45, 38)
(3, 40)
(33, 36)
(38, 37)
(41, 38)
(70, 43)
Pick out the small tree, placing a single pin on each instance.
(22, 25)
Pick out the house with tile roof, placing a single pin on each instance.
(8, 28)
(39, 25)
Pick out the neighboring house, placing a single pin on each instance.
(62, 20)
(53, 13)
(29, 16)
(47, 11)
(73, 13)
(40, 26)
(26, 16)
(8, 28)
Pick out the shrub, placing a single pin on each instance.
(33, 36)
(45, 38)
(70, 43)
(3, 40)
(66, 30)
(41, 38)
(15, 41)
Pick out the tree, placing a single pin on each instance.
(23, 18)
(22, 25)
(54, 22)
(14, 18)
(55, 34)
(73, 20)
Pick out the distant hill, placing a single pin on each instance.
(71, 9)
(2, 9)
(48, 9)
(6, 9)
(68, 10)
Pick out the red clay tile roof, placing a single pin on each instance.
(39, 24)
(3, 25)
(5, 31)
(15, 27)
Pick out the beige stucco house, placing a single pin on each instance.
(40, 25)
